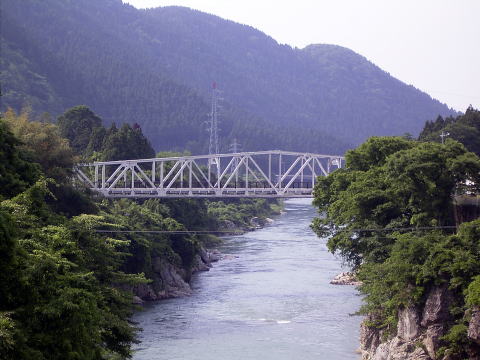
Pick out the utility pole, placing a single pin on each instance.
(235, 148)
(443, 135)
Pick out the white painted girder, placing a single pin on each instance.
(275, 174)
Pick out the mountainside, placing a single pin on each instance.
(326, 87)
(155, 67)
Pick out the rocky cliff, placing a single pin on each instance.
(171, 280)
(419, 332)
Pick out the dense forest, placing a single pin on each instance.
(389, 214)
(66, 289)
(155, 67)
(464, 128)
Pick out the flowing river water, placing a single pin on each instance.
(271, 300)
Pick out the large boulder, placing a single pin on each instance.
(229, 227)
(345, 278)
(474, 326)
(257, 222)
(214, 255)
(171, 279)
(408, 326)
(432, 340)
(199, 264)
(398, 349)
(144, 292)
(370, 337)
(434, 318)
(436, 309)
(137, 301)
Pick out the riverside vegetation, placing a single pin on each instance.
(388, 214)
(66, 290)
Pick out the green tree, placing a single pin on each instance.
(126, 143)
(16, 171)
(63, 305)
(389, 183)
(81, 127)
(44, 142)
(379, 211)
(463, 128)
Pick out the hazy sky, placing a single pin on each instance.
(432, 44)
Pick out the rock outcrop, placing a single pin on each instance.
(230, 228)
(436, 309)
(398, 349)
(370, 337)
(474, 326)
(434, 318)
(345, 278)
(172, 279)
(258, 222)
(408, 326)
(419, 331)
(169, 280)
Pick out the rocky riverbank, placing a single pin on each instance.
(419, 331)
(346, 278)
(231, 228)
(170, 281)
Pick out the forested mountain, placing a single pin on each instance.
(324, 87)
(155, 67)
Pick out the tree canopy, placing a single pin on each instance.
(45, 144)
(91, 140)
(388, 213)
(463, 128)
(389, 183)
(79, 125)
(59, 280)
(16, 171)
(126, 143)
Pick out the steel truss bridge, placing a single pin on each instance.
(276, 174)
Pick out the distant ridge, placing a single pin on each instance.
(155, 67)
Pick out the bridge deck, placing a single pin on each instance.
(274, 174)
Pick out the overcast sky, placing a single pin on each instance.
(432, 44)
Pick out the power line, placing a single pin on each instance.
(201, 232)
(185, 232)
(405, 228)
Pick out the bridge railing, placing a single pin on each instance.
(247, 174)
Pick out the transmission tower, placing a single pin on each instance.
(213, 145)
(213, 130)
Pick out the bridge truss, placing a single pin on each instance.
(277, 174)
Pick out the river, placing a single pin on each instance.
(270, 301)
